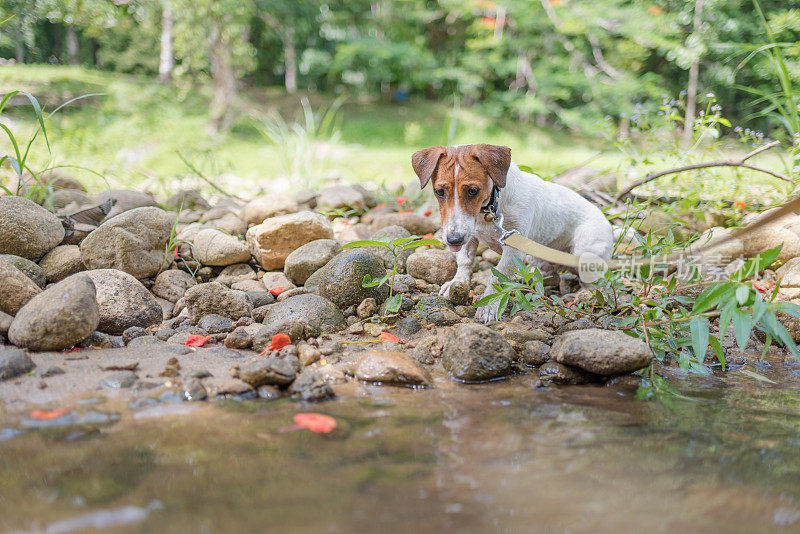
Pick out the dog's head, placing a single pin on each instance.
(463, 178)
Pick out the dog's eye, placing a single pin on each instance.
(439, 192)
(472, 191)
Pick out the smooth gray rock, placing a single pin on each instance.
(307, 259)
(603, 352)
(172, 284)
(213, 297)
(476, 353)
(314, 309)
(57, 318)
(123, 301)
(340, 280)
(267, 371)
(61, 262)
(28, 268)
(13, 363)
(28, 230)
(17, 289)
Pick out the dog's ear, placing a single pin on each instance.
(496, 160)
(425, 162)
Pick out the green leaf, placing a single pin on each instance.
(714, 295)
(393, 303)
(742, 326)
(699, 329)
(366, 243)
(743, 294)
(488, 299)
(422, 243)
(757, 376)
(37, 109)
(717, 346)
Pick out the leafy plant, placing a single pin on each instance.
(395, 247)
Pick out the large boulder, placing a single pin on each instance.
(123, 301)
(432, 265)
(61, 262)
(476, 353)
(305, 261)
(213, 247)
(59, 317)
(28, 230)
(274, 239)
(213, 297)
(783, 231)
(341, 279)
(264, 207)
(133, 242)
(310, 308)
(340, 197)
(602, 352)
(17, 290)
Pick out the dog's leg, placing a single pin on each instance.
(465, 260)
(488, 313)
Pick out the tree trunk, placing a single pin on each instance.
(222, 78)
(20, 51)
(167, 62)
(72, 46)
(290, 60)
(691, 90)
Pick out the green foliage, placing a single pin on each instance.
(395, 247)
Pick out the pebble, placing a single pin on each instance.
(120, 380)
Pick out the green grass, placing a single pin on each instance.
(131, 136)
(132, 133)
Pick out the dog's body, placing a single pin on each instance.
(553, 215)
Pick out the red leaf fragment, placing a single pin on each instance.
(277, 290)
(381, 206)
(279, 341)
(316, 422)
(386, 336)
(401, 200)
(46, 415)
(427, 213)
(196, 340)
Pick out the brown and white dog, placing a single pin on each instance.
(464, 180)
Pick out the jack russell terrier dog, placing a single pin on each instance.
(467, 179)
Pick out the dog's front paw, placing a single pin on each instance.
(488, 313)
(445, 289)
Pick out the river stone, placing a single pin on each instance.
(718, 253)
(133, 242)
(340, 197)
(783, 231)
(213, 247)
(566, 374)
(535, 353)
(5, 324)
(188, 199)
(317, 310)
(64, 197)
(59, 317)
(172, 284)
(390, 233)
(61, 262)
(124, 200)
(475, 353)
(274, 239)
(432, 265)
(311, 386)
(28, 268)
(17, 290)
(340, 280)
(213, 297)
(267, 371)
(296, 329)
(306, 260)
(237, 273)
(123, 302)
(264, 207)
(391, 367)
(13, 363)
(413, 222)
(215, 324)
(603, 352)
(28, 230)
(436, 310)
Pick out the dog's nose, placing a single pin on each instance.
(455, 239)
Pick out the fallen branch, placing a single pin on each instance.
(721, 163)
(205, 178)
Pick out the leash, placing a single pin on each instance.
(593, 266)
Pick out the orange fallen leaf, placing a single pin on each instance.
(277, 290)
(427, 212)
(741, 204)
(386, 336)
(429, 235)
(763, 288)
(405, 211)
(381, 206)
(177, 247)
(316, 422)
(196, 340)
(279, 341)
(401, 200)
(46, 415)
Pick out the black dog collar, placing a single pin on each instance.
(494, 200)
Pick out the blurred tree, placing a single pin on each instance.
(167, 58)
